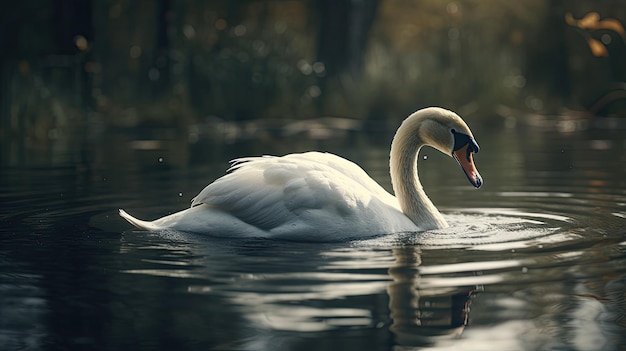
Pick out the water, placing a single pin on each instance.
(535, 260)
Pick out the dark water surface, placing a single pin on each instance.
(535, 260)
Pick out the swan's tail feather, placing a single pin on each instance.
(138, 222)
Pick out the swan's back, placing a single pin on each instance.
(300, 194)
(310, 167)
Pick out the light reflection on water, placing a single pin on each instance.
(534, 260)
(431, 291)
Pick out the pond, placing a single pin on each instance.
(534, 260)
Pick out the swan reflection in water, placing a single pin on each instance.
(280, 294)
(421, 316)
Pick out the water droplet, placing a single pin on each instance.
(189, 31)
(524, 269)
(454, 34)
(319, 68)
(425, 157)
(452, 8)
(280, 27)
(135, 52)
(154, 74)
(83, 45)
(314, 91)
(180, 194)
(240, 30)
(160, 159)
(305, 67)
(221, 24)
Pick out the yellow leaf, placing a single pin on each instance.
(597, 48)
(569, 19)
(589, 21)
(611, 24)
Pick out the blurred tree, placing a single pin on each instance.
(159, 73)
(44, 49)
(74, 35)
(343, 34)
(72, 20)
(343, 28)
(171, 62)
(547, 59)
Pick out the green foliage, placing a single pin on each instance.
(181, 63)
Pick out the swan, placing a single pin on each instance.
(316, 196)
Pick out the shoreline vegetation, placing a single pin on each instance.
(201, 66)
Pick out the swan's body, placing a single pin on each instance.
(320, 196)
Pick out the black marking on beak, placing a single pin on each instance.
(461, 139)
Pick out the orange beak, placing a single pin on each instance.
(464, 157)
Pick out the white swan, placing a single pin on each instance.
(323, 197)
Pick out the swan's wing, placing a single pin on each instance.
(350, 169)
(271, 192)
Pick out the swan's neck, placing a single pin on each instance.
(405, 180)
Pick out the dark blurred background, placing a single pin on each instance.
(94, 65)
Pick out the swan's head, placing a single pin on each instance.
(447, 132)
